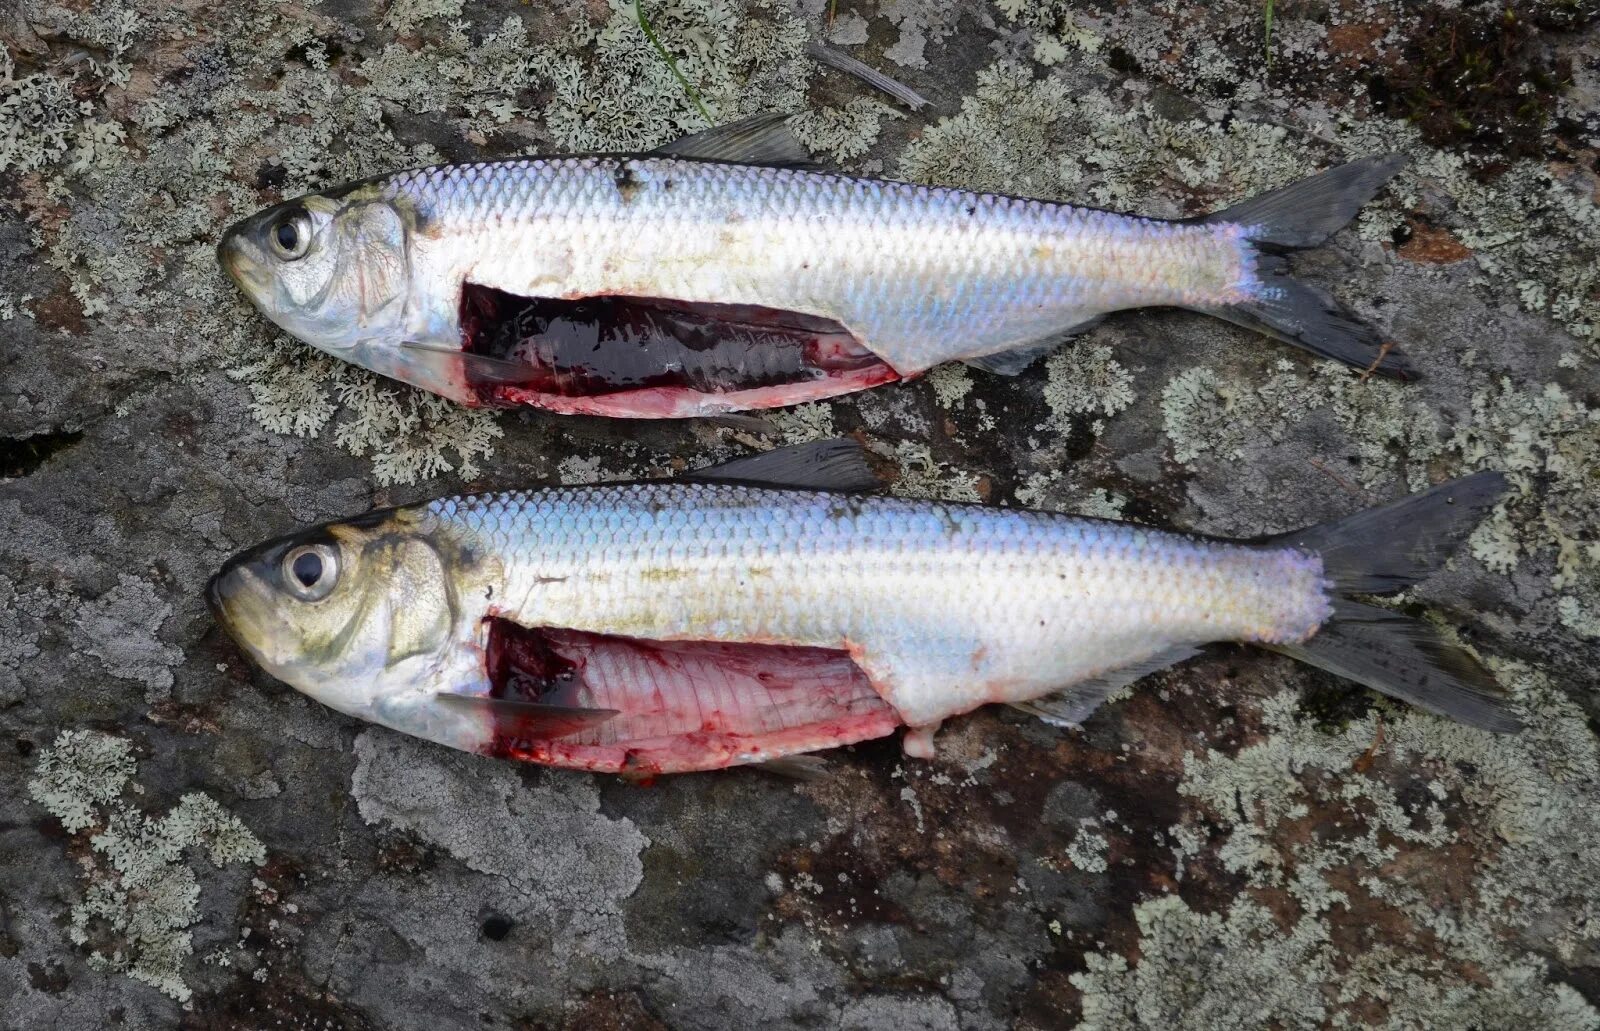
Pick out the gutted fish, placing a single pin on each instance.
(714, 275)
(761, 610)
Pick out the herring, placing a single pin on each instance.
(718, 274)
(760, 610)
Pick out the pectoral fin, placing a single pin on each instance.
(839, 466)
(531, 718)
(1012, 362)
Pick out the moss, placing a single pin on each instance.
(1480, 78)
(141, 896)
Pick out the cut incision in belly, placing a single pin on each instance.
(647, 357)
(671, 706)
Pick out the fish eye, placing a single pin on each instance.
(311, 571)
(291, 235)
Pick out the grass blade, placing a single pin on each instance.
(650, 34)
(1267, 17)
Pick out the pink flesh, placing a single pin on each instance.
(682, 705)
(644, 357)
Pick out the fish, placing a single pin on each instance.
(776, 606)
(723, 272)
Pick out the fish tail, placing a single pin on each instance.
(1304, 214)
(1383, 551)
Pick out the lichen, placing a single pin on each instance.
(140, 897)
(560, 859)
(842, 133)
(120, 628)
(1088, 850)
(1085, 379)
(921, 475)
(1274, 946)
(20, 625)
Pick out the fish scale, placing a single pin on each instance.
(1044, 599)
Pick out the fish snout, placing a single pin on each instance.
(221, 592)
(235, 257)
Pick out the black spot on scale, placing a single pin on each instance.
(496, 926)
(627, 183)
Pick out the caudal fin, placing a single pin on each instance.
(1300, 215)
(1385, 550)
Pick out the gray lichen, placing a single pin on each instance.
(141, 896)
(563, 866)
(120, 628)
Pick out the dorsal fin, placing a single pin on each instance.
(763, 139)
(838, 466)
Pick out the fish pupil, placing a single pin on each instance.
(308, 569)
(288, 236)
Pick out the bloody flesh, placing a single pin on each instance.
(680, 705)
(610, 355)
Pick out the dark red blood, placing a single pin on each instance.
(649, 356)
(680, 705)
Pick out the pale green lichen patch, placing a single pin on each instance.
(921, 475)
(1084, 379)
(1322, 823)
(1534, 230)
(1546, 440)
(141, 896)
(1088, 850)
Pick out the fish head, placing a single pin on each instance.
(332, 268)
(361, 615)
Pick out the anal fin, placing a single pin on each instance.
(1012, 362)
(1070, 706)
(807, 768)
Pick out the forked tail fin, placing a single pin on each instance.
(1304, 214)
(1383, 551)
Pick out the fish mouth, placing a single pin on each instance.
(239, 603)
(233, 254)
(653, 356)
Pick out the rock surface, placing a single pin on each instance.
(1236, 843)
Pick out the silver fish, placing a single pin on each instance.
(688, 625)
(712, 275)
